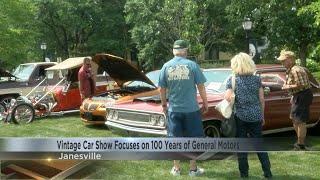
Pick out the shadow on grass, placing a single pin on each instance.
(97, 126)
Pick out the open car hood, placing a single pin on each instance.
(120, 70)
(4, 73)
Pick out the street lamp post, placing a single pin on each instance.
(247, 25)
(43, 47)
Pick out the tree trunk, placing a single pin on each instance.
(303, 54)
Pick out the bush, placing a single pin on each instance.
(312, 65)
(214, 63)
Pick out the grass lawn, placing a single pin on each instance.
(285, 165)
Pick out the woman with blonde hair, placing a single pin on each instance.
(249, 108)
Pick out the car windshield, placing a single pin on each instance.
(216, 79)
(23, 71)
(153, 76)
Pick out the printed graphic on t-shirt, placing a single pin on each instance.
(178, 72)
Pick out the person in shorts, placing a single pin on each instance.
(298, 85)
(179, 80)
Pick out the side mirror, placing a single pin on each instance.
(266, 90)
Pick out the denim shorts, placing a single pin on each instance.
(185, 124)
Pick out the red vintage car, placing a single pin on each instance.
(145, 115)
(61, 98)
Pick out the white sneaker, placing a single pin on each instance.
(197, 172)
(175, 172)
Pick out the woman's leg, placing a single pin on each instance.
(255, 131)
(242, 157)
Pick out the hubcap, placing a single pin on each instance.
(211, 131)
(23, 114)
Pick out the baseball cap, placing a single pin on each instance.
(286, 54)
(180, 44)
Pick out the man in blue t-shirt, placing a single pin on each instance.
(179, 79)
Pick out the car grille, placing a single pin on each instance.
(90, 107)
(137, 119)
(133, 116)
(93, 107)
(86, 106)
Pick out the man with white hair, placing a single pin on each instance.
(180, 78)
(298, 85)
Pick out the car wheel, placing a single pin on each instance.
(23, 113)
(3, 109)
(6, 101)
(211, 129)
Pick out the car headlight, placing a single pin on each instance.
(154, 120)
(110, 114)
(162, 121)
(115, 115)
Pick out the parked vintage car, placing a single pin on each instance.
(63, 97)
(145, 115)
(132, 84)
(22, 80)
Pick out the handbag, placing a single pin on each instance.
(228, 125)
(225, 107)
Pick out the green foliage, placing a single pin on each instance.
(158, 24)
(17, 33)
(281, 22)
(312, 65)
(149, 27)
(317, 75)
(85, 27)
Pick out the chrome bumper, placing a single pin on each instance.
(111, 124)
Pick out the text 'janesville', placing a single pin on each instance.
(165, 145)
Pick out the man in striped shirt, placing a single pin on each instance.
(298, 85)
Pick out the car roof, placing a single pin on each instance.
(69, 63)
(259, 67)
(39, 63)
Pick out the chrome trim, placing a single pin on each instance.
(50, 91)
(135, 124)
(135, 129)
(60, 113)
(133, 110)
(36, 87)
(286, 129)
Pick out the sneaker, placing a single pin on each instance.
(197, 172)
(299, 147)
(175, 172)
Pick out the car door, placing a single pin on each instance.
(277, 101)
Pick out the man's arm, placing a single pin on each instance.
(80, 78)
(203, 94)
(163, 97)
